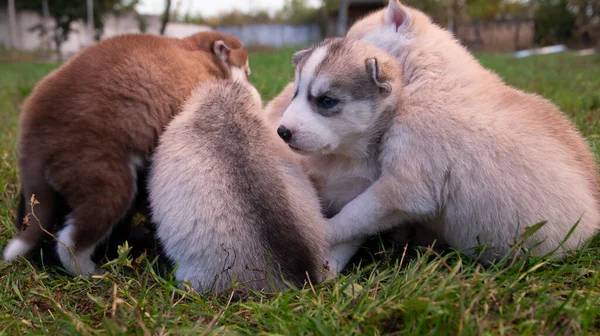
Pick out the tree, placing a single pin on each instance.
(342, 18)
(297, 11)
(12, 21)
(437, 9)
(480, 10)
(587, 20)
(562, 21)
(65, 12)
(554, 21)
(520, 10)
(165, 17)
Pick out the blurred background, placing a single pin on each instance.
(57, 29)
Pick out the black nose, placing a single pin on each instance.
(284, 133)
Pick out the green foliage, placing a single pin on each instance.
(297, 11)
(330, 5)
(231, 18)
(483, 9)
(236, 18)
(427, 6)
(293, 12)
(554, 21)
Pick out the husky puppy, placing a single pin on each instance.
(456, 149)
(341, 176)
(230, 201)
(88, 127)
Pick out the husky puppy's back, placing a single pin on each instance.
(519, 144)
(229, 200)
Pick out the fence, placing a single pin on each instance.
(502, 35)
(270, 35)
(80, 37)
(275, 35)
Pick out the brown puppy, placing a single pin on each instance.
(88, 128)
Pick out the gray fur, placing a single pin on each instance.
(229, 199)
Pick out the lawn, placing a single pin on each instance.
(418, 292)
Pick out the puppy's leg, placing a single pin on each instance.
(387, 203)
(39, 217)
(100, 196)
(340, 254)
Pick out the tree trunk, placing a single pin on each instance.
(450, 13)
(517, 34)
(90, 20)
(58, 42)
(46, 38)
(12, 24)
(342, 18)
(477, 28)
(165, 18)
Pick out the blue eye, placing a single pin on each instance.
(326, 102)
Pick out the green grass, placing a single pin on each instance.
(419, 293)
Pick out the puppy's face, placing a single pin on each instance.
(341, 87)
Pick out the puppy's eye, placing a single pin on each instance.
(326, 102)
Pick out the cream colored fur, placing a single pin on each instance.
(471, 158)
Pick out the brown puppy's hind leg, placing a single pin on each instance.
(31, 233)
(100, 197)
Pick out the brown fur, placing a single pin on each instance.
(83, 123)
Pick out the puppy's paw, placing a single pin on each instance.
(15, 248)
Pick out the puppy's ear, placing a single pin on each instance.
(380, 74)
(396, 15)
(299, 56)
(222, 50)
(231, 52)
